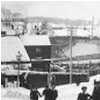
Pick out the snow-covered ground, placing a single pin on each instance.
(65, 92)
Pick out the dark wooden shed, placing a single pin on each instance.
(38, 47)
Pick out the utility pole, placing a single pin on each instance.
(18, 57)
(71, 29)
(92, 27)
(71, 32)
(49, 77)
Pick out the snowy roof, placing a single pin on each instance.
(57, 25)
(82, 33)
(62, 32)
(78, 32)
(82, 49)
(9, 49)
(35, 40)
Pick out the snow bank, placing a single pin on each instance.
(96, 77)
(69, 91)
(15, 94)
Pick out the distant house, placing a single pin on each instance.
(10, 45)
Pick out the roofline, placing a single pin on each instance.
(77, 37)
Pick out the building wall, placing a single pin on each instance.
(34, 52)
(39, 52)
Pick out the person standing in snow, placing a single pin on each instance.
(46, 93)
(84, 95)
(53, 80)
(53, 93)
(34, 94)
(50, 93)
(96, 91)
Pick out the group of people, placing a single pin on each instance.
(95, 95)
(48, 93)
(52, 93)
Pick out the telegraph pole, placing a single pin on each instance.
(49, 77)
(71, 32)
(18, 57)
(71, 28)
(92, 27)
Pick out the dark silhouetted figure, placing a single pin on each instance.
(3, 76)
(54, 93)
(50, 94)
(53, 81)
(47, 93)
(84, 95)
(96, 91)
(34, 94)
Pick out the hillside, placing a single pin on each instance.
(7, 14)
(58, 20)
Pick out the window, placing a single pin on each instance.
(38, 52)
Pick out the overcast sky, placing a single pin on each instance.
(65, 9)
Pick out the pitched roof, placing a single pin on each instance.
(10, 46)
(35, 40)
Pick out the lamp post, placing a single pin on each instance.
(18, 57)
